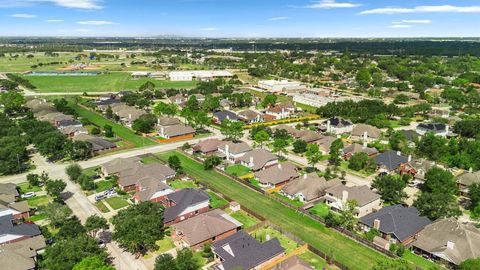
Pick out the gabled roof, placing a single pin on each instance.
(24, 229)
(469, 178)
(178, 130)
(311, 186)
(325, 142)
(403, 222)
(183, 199)
(168, 121)
(249, 114)
(141, 171)
(21, 206)
(206, 226)
(277, 174)
(361, 194)
(372, 132)
(20, 255)
(411, 135)
(390, 159)
(309, 136)
(119, 164)
(243, 251)
(222, 115)
(208, 145)
(355, 148)
(338, 122)
(433, 127)
(291, 130)
(235, 147)
(260, 157)
(98, 144)
(150, 186)
(292, 263)
(9, 189)
(451, 240)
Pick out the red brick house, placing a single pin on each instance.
(184, 204)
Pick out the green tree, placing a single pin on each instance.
(95, 223)
(358, 161)
(162, 108)
(79, 150)
(175, 163)
(233, 130)
(401, 99)
(391, 188)
(363, 77)
(335, 149)
(192, 103)
(12, 102)
(279, 146)
(398, 141)
(73, 171)
(138, 227)
(144, 123)
(186, 261)
(33, 179)
(470, 264)
(109, 112)
(148, 85)
(165, 262)
(299, 146)
(211, 161)
(108, 131)
(55, 187)
(474, 194)
(93, 263)
(71, 228)
(261, 137)
(348, 218)
(269, 100)
(56, 213)
(313, 154)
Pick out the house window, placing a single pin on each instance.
(196, 212)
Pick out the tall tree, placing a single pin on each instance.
(391, 188)
(55, 187)
(279, 146)
(335, 149)
(175, 163)
(73, 171)
(470, 264)
(233, 130)
(261, 137)
(56, 213)
(95, 223)
(165, 262)
(186, 261)
(313, 154)
(93, 263)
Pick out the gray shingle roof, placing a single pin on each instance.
(25, 229)
(242, 250)
(390, 159)
(183, 199)
(222, 115)
(403, 222)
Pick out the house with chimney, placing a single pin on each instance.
(448, 240)
(466, 179)
(396, 223)
(207, 147)
(418, 168)
(390, 160)
(115, 166)
(151, 189)
(184, 204)
(365, 133)
(276, 113)
(276, 176)
(176, 132)
(12, 230)
(308, 187)
(206, 228)
(250, 116)
(129, 178)
(233, 151)
(258, 159)
(337, 125)
(242, 251)
(366, 200)
(351, 149)
(178, 99)
(220, 116)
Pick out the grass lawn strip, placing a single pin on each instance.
(320, 210)
(262, 233)
(344, 249)
(103, 185)
(244, 218)
(38, 201)
(237, 170)
(314, 260)
(25, 187)
(102, 207)
(420, 261)
(216, 201)
(121, 131)
(179, 184)
(117, 202)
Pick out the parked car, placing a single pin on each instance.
(30, 194)
(100, 197)
(101, 243)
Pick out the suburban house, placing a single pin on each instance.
(308, 187)
(68, 123)
(207, 147)
(72, 131)
(396, 223)
(390, 160)
(168, 121)
(258, 159)
(250, 116)
(242, 251)
(205, 228)
(417, 168)
(449, 240)
(178, 132)
(184, 204)
(232, 151)
(411, 136)
(338, 125)
(467, 179)
(225, 104)
(151, 189)
(11, 231)
(276, 113)
(324, 143)
(129, 115)
(22, 255)
(367, 201)
(220, 116)
(292, 263)
(129, 178)
(436, 128)
(114, 167)
(309, 136)
(351, 149)
(9, 192)
(98, 144)
(55, 118)
(276, 176)
(290, 130)
(19, 210)
(178, 99)
(365, 133)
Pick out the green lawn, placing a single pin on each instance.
(320, 209)
(179, 184)
(102, 207)
(92, 171)
(165, 244)
(37, 217)
(237, 170)
(420, 261)
(116, 202)
(149, 159)
(345, 250)
(121, 131)
(38, 201)
(116, 81)
(314, 260)
(244, 218)
(295, 203)
(216, 201)
(25, 187)
(103, 185)
(261, 235)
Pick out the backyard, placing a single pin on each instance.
(320, 209)
(345, 250)
(179, 184)
(243, 217)
(265, 233)
(237, 170)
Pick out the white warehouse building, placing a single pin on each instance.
(279, 86)
(189, 75)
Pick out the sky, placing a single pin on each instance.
(241, 18)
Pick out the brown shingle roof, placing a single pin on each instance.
(208, 145)
(119, 164)
(361, 194)
(260, 157)
(277, 174)
(311, 186)
(372, 132)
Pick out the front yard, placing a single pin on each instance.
(39, 200)
(103, 185)
(25, 187)
(117, 202)
(102, 207)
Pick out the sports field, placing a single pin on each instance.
(345, 250)
(111, 82)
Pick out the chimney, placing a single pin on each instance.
(279, 165)
(365, 136)
(338, 136)
(448, 128)
(227, 152)
(328, 125)
(344, 196)
(399, 153)
(376, 224)
(450, 245)
(251, 162)
(470, 170)
(409, 158)
(305, 176)
(130, 116)
(228, 117)
(162, 131)
(158, 121)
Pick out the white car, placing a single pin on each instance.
(29, 195)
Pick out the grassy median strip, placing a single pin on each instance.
(119, 130)
(343, 249)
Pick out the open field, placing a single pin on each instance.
(345, 250)
(116, 81)
(119, 130)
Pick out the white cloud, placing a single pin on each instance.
(23, 15)
(209, 29)
(400, 26)
(83, 30)
(78, 4)
(328, 4)
(54, 21)
(414, 21)
(424, 9)
(96, 22)
(278, 18)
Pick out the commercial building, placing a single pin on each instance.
(203, 75)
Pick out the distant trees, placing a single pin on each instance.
(269, 100)
(469, 128)
(12, 102)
